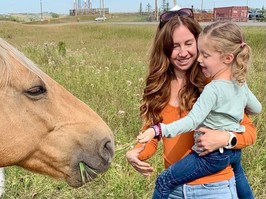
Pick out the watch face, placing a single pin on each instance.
(233, 141)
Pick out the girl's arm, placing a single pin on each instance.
(196, 116)
(253, 106)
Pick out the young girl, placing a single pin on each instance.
(224, 57)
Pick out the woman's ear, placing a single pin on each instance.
(228, 58)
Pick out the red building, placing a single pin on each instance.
(234, 13)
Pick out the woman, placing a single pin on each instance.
(173, 84)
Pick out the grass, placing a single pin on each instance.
(105, 65)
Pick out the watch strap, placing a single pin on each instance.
(232, 140)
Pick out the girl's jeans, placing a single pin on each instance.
(193, 166)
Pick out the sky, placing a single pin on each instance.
(63, 6)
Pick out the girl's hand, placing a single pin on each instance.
(146, 136)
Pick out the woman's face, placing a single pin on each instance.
(184, 52)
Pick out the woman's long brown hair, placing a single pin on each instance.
(160, 74)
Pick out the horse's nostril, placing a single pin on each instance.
(107, 150)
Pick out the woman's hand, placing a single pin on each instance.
(211, 140)
(141, 166)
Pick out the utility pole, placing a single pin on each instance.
(103, 12)
(156, 11)
(41, 10)
(86, 5)
(100, 8)
(90, 4)
(75, 8)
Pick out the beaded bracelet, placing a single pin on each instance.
(158, 131)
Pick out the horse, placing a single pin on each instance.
(44, 128)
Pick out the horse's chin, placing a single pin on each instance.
(85, 175)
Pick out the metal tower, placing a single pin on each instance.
(85, 4)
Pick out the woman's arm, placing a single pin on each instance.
(214, 139)
(248, 137)
(149, 150)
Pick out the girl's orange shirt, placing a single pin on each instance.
(178, 147)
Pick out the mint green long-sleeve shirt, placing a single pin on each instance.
(221, 106)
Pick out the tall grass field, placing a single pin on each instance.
(105, 65)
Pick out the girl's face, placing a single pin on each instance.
(184, 53)
(212, 62)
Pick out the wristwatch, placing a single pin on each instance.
(232, 140)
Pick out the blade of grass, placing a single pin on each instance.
(82, 171)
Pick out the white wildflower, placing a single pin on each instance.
(121, 113)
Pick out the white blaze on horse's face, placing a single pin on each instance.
(46, 129)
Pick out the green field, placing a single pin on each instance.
(105, 65)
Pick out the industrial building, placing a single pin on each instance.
(84, 7)
(233, 13)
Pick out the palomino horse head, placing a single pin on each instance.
(46, 129)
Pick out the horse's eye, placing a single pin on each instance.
(35, 91)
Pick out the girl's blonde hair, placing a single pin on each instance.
(161, 72)
(227, 38)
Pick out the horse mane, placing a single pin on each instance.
(9, 55)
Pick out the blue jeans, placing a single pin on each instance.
(193, 166)
(219, 190)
